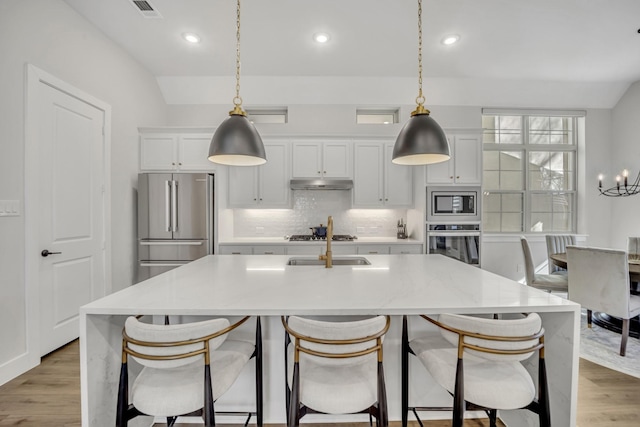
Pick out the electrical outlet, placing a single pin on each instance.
(259, 230)
(519, 268)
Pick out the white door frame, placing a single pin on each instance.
(34, 78)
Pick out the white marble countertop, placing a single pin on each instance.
(283, 241)
(265, 285)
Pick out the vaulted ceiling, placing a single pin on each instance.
(578, 44)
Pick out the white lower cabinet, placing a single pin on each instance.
(373, 249)
(405, 249)
(269, 250)
(319, 249)
(236, 250)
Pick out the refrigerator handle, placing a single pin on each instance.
(174, 205)
(167, 206)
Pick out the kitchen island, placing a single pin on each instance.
(264, 285)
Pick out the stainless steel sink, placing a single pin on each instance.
(336, 261)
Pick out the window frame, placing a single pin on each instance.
(526, 148)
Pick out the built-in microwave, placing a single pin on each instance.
(453, 204)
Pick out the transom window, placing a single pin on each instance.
(529, 171)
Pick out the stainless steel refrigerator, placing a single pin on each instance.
(175, 220)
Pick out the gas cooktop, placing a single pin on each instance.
(309, 237)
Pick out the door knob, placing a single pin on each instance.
(47, 253)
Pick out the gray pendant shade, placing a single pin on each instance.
(236, 142)
(421, 142)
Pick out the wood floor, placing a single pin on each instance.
(50, 395)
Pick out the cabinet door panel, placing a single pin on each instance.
(193, 152)
(307, 160)
(158, 152)
(373, 249)
(398, 181)
(368, 174)
(243, 190)
(269, 250)
(236, 250)
(274, 176)
(467, 156)
(442, 173)
(405, 249)
(336, 162)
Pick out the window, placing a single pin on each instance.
(273, 115)
(376, 117)
(529, 171)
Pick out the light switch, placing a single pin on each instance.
(9, 207)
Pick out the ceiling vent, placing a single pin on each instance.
(146, 9)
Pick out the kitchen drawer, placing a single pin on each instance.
(236, 250)
(405, 249)
(269, 250)
(373, 249)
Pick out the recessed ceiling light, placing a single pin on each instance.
(321, 37)
(448, 40)
(191, 37)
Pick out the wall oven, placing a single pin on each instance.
(454, 225)
(458, 241)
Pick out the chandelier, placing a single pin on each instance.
(622, 187)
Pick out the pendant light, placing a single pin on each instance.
(236, 142)
(421, 141)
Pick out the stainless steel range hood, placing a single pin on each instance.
(321, 184)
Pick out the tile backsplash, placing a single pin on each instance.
(311, 208)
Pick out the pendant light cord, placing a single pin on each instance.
(420, 100)
(237, 100)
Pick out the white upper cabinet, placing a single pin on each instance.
(262, 186)
(465, 165)
(175, 152)
(378, 182)
(322, 159)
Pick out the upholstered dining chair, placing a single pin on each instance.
(478, 360)
(633, 245)
(546, 282)
(335, 367)
(557, 243)
(599, 281)
(185, 369)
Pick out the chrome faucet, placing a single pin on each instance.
(328, 256)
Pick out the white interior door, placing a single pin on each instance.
(71, 212)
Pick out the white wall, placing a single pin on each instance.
(53, 37)
(625, 144)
